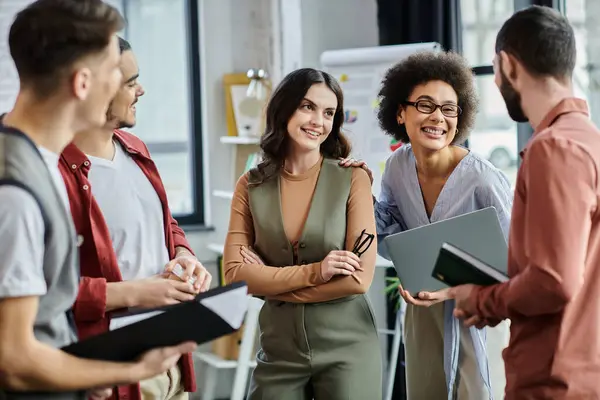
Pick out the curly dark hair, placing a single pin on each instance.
(284, 102)
(420, 68)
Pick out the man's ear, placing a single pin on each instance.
(510, 67)
(81, 82)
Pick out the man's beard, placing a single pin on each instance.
(114, 122)
(512, 99)
(121, 125)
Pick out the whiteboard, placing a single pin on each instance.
(359, 72)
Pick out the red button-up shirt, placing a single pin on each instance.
(98, 259)
(553, 296)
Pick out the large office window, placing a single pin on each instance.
(164, 37)
(495, 133)
(584, 15)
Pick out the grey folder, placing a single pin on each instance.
(415, 251)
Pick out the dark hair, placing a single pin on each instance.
(284, 102)
(541, 39)
(48, 36)
(124, 45)
(420, 68)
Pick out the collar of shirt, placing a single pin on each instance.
(50, 157)
(76, 158)
(565, 106)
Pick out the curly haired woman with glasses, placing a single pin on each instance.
(429, 102)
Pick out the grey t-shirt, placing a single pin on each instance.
(22, 236)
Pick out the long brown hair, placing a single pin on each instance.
(283, 104)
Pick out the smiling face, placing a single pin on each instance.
(310, 125)
(122, 112)
(430, 130)
(95, 80)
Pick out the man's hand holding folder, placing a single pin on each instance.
(465, 274)
(157, 361)
(149, 365)
(156, 337)
(465, 310)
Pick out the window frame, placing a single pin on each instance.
(197, 218)
(195, 221)
(524, 130)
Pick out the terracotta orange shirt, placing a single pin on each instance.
(299, 283)
(553, 296)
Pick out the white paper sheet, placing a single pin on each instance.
(231, 305)
(119, 322)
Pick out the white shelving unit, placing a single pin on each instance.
(240, 139)
(242, 366)
(243, 147)
(223, 194)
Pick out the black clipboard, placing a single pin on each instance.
(201, 320)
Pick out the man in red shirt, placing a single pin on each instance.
(553, 295)
(129, 240)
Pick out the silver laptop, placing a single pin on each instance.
(415, 251)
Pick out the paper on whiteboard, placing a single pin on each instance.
(231, 306)
(120, 322)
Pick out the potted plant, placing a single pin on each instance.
(391, 290)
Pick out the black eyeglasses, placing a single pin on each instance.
(429, 107)
(363, 242)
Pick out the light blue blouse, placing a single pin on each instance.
(474, 184)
